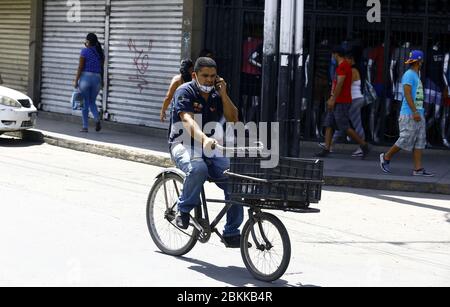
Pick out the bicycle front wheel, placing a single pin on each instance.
(268, 255)
(161, 213)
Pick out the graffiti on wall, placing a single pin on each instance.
(141, 63)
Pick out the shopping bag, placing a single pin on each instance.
(77, 100)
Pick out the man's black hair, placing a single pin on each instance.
(204, 62)
(339, 50)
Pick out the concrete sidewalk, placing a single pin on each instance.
(149, 146)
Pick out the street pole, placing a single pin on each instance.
(287, 30)
(270, 60)
(299, 77)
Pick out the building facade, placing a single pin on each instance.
(380, 34)
(144, 42)
(15, 24)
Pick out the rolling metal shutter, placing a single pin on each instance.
(144, 55)
(62, 44)
(15, 43)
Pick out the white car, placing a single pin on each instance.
(17, 111)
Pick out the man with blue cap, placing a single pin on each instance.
(412, 119)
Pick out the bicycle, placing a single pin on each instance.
(265, 243)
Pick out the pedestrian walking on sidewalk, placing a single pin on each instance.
(186, 70)
(89, 79)
(339, 104)
(412, 122)
(355, 110)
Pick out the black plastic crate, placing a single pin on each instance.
(294, 183)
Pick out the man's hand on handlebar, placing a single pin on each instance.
(212, 144)
(209, 144)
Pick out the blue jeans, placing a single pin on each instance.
(197, 173)
(90, 84)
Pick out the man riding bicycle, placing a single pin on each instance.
(205, 99)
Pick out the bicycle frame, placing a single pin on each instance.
(253, 211)
(204, 226)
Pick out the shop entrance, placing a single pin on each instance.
(380, 50)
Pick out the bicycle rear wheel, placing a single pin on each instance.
(269, 254)
(161, 213)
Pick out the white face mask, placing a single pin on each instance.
(204, 88)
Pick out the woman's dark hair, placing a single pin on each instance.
(185, 66)
(204, 62)
(93, 40)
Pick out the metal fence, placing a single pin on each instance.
(380, 50)
(233, 32)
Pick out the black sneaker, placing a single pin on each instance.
(324, 146)
(98, 126)
(323, 154)
(232, 242)
(182, 220)
(366, 151)
(422, 173)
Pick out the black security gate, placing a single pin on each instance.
(380, 50)
(233, 31)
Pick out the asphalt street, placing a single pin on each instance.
(74, 219)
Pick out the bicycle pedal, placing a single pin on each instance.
(309, 210)
(250, 245)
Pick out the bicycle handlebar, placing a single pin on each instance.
(259, 147)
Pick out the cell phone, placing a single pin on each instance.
(217, 82)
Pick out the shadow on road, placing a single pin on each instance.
(412, 203)
(234, 276)
(395, 197)
(378, 242)
(7, 141)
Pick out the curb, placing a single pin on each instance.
(97, 149)
(165, 162)
(140, 130)
(388, 185)
(349, 148)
